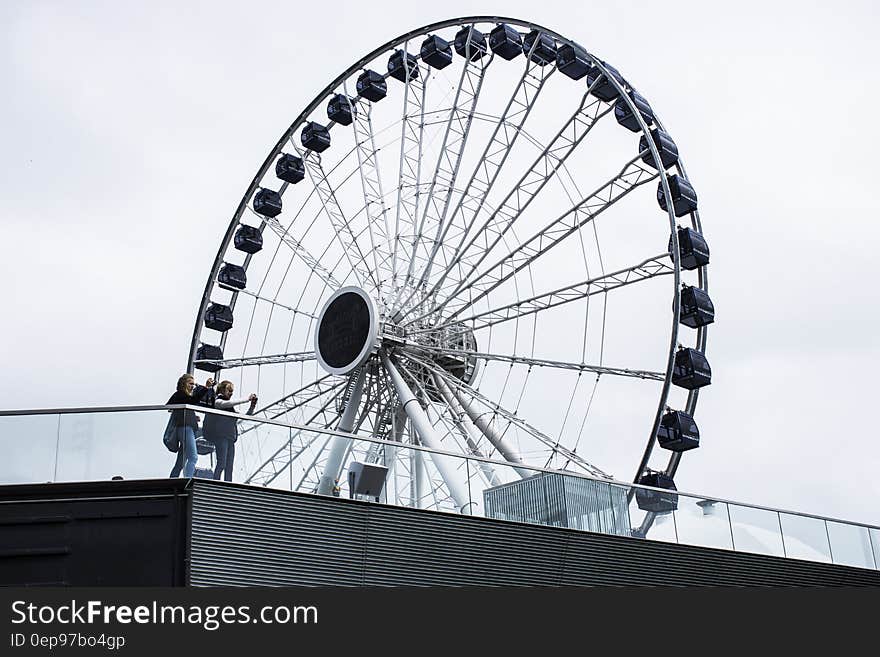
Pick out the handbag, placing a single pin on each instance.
(170, 437)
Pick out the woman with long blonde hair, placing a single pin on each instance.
(186, 422)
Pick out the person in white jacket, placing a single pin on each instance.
(222, 430)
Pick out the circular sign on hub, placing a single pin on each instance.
(347, 330)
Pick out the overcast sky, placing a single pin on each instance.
(131, 130)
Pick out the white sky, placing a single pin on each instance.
(130, 131)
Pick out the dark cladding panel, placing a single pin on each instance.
(248, 536)
(120, 533)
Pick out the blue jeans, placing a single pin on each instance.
(225, 458)
(188, 451)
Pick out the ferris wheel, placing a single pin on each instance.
(479, 239)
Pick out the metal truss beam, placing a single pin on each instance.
(371, 184)
(341, 226)
(650, 268)
(247, 361)
(633, 175)
(490, 164)
(410, 165)
(458, 126)
(542, 170)
(539, 362)
(313, 264)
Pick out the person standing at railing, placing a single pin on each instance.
(223, 430)
(186, 422)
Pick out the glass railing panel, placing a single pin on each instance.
(652, 514)
(703, 522)
(298, 459)
(277, 456)
(29, 448)
(805, 537)
(756, 530)
(874, 537)
(850, 545)
(100, 446)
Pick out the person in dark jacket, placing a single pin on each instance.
(186, 422)
(222, 430)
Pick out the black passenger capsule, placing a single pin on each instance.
(665, 146)
(436, 52)
(684, 198)
(248, 239)
(208, 352)
(476, 47)
(371, 85)
(267, 202)
(544, 47)
(691, 369)
(232, 276)
(604, 89)
(692, 248)
(626, 117)
(315, 137)
(678, 432)
(290, 168)
(572, 61)
(697, 308)
(656, 501)
(218, 317)
(341, 110)
(505, 41)
(400, 63)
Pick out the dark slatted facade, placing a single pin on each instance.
(250, 536)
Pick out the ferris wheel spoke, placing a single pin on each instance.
(540, 362)
(455, 136)
(489, 166)
(282, 458)
(303, 253)
(276, 303)
(298, 399)
(553, 156)
(279, 461)
(248, 361)
(371, 184)
(472, 435)
(311, 468)
(410, 162)
(646, 270)
(468, 392)
(633, 175)
(341, 227)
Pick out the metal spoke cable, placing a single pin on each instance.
(341, 226)
(537, 362)
(455, 383)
